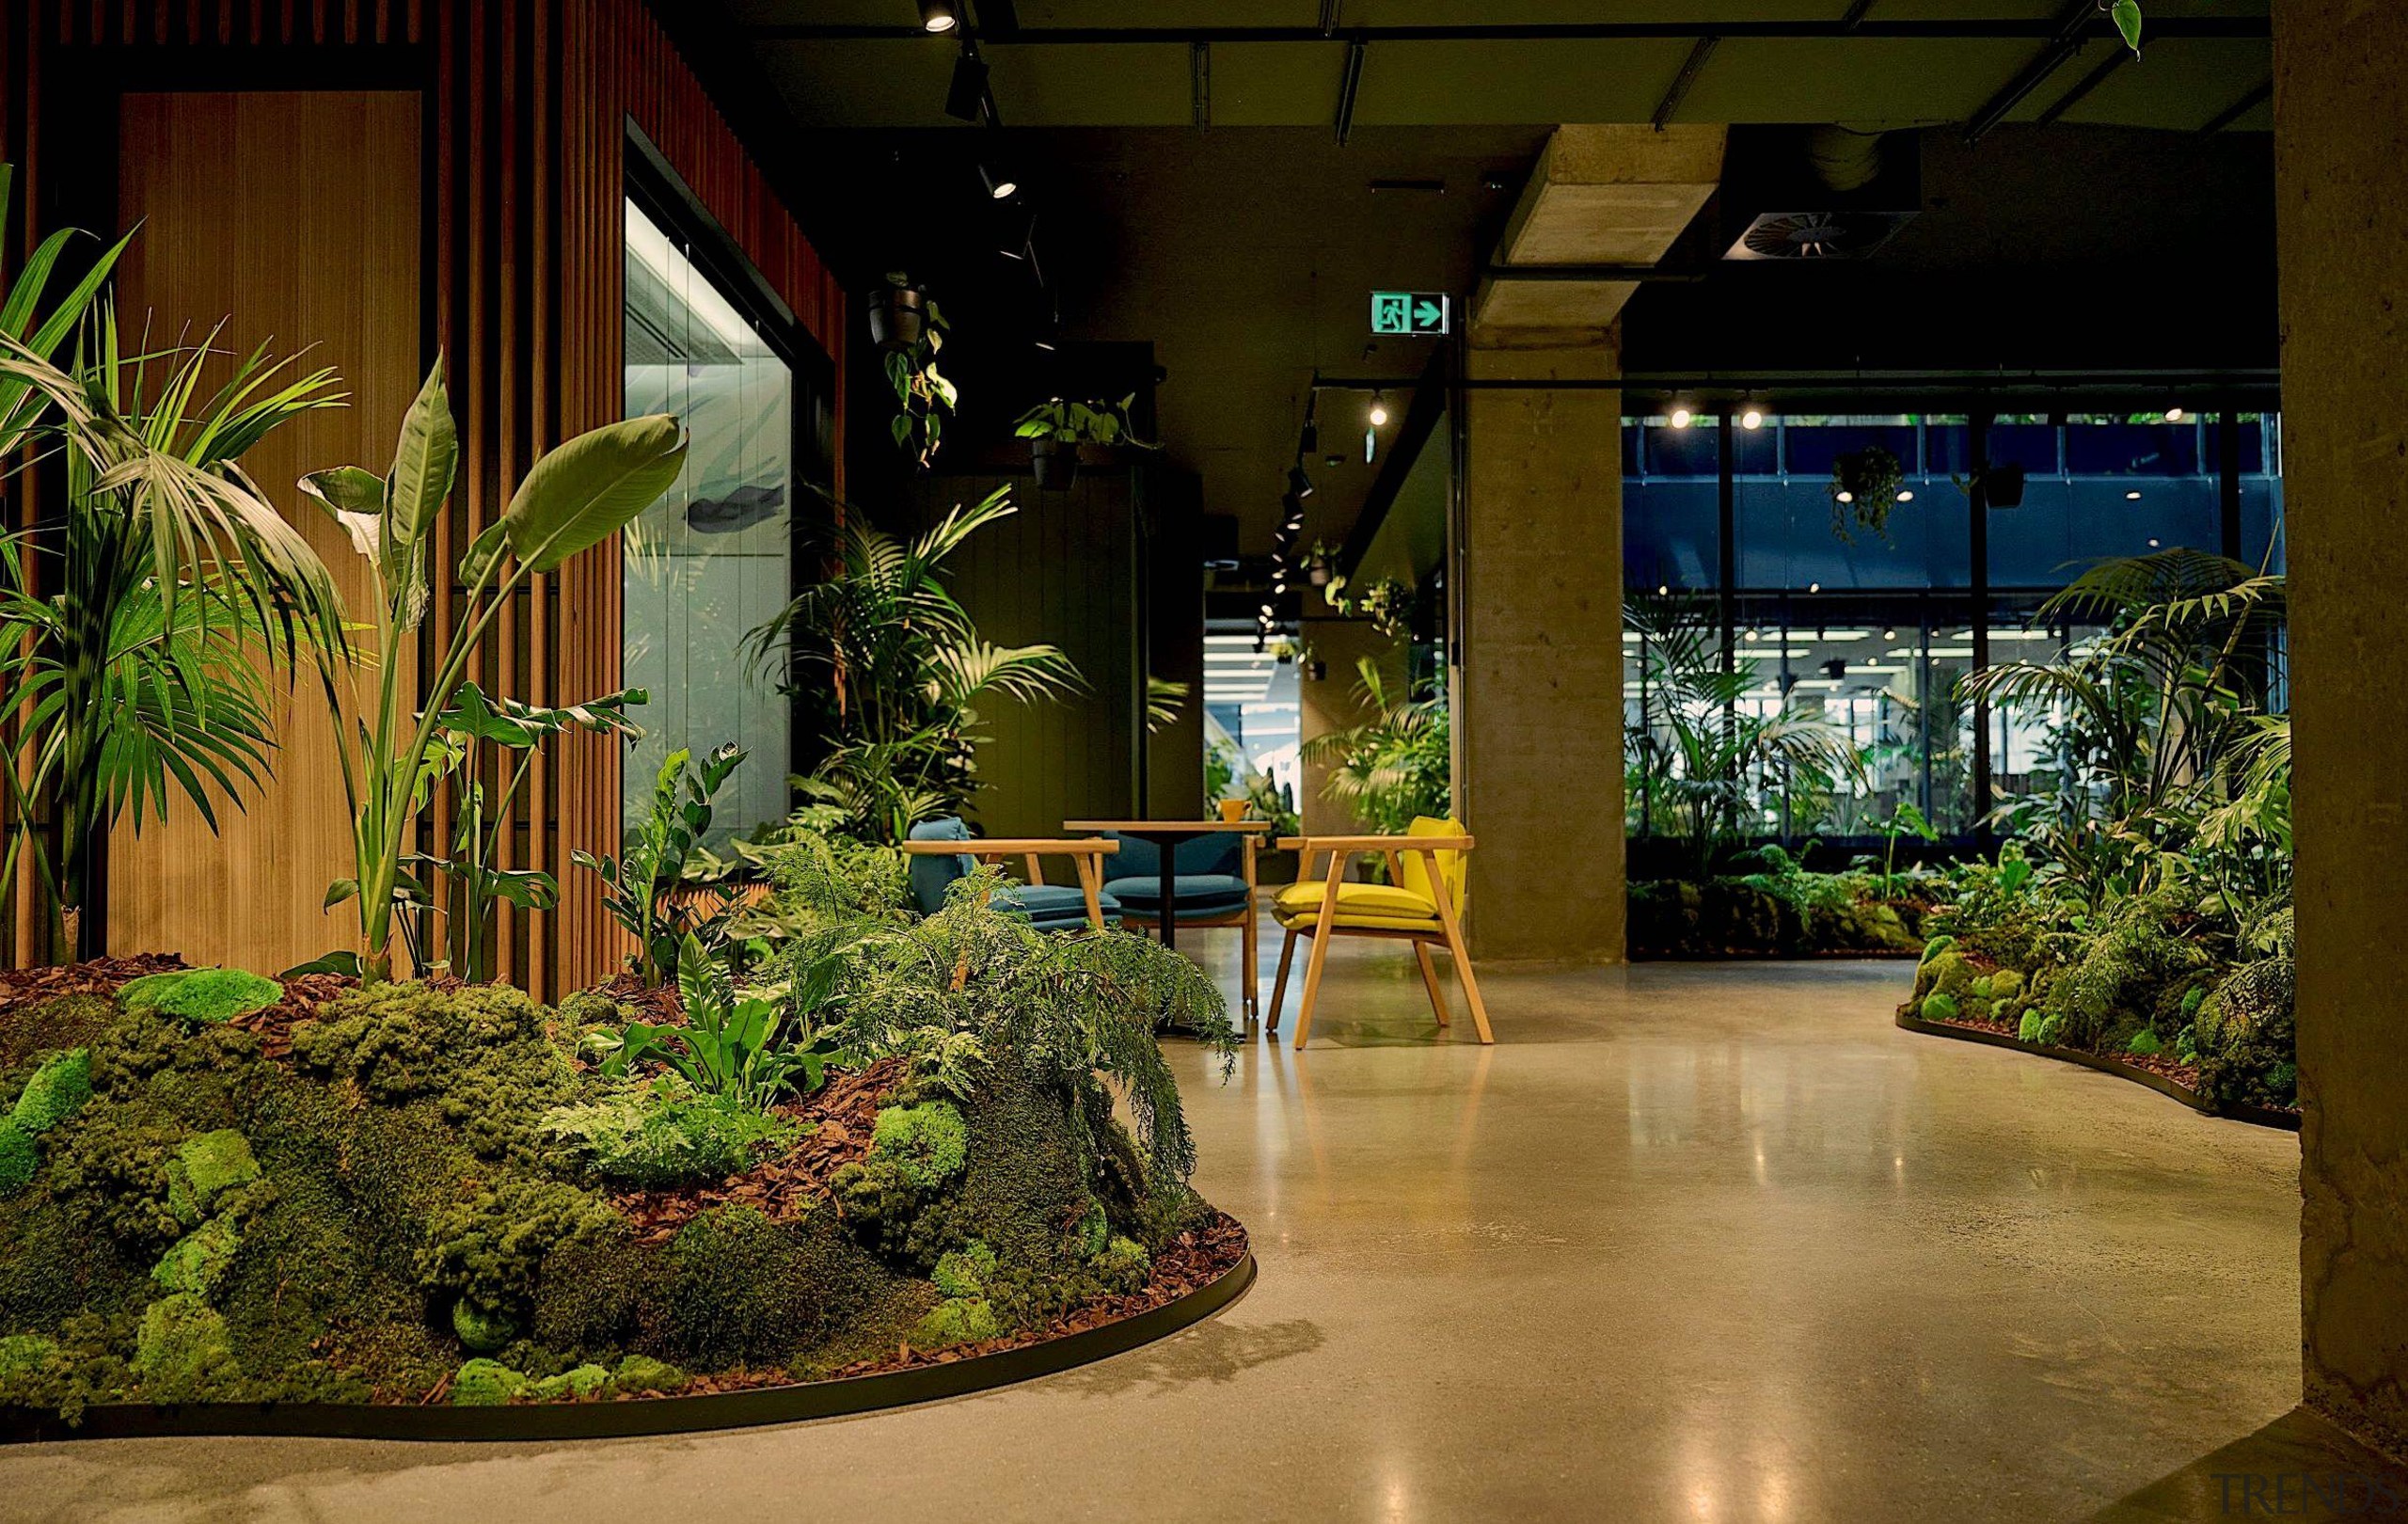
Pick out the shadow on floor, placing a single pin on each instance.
(1217, 1352)
(2300, 1467)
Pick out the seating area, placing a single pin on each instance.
(1212, 882)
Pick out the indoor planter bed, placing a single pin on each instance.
(2162, 1084)
(428, 1209)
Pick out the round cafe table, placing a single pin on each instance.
(1166, 836)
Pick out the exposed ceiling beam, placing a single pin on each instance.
(1856, 14)
(2079, 17)
(2003, 28)
(2116, 58)
(1678, 90)
(2238, 109)
(1199, 83)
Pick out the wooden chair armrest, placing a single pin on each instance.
(1012, 847)
(1376, 844)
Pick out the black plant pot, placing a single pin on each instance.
(899, 316)
(1056, 464)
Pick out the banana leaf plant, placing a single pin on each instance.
(573, 498)
(477, 737)
(639, 890)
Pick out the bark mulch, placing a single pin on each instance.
(100, 977)
(1194, 1260)
(837, 1122)
(303, 995)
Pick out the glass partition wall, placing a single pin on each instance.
(1808, 609)
(714, 557)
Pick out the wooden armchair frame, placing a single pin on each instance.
(1086, 856)
(1448, 934)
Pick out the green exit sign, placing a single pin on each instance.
(1413, 313)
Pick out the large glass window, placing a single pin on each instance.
(1872, 631)
(714, 557)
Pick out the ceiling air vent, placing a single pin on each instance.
(1819, 193)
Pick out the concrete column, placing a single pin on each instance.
(1540, 714)
(2341, 181)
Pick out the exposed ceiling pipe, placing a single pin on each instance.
(2116, 58)
(1350, 83)
(2078, 17)
(1678, 90)
(2238, 109)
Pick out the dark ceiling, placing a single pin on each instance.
(2117, 234)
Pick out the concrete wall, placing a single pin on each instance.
(2341, 169)
(1540, 715)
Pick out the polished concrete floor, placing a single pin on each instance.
(1690, 1243)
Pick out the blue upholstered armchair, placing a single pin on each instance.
(942, 852)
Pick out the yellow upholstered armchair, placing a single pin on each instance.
(1422, 903)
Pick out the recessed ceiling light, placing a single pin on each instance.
(2174, 415)
(1681, 416)
(2133, 496)
(1752, 419)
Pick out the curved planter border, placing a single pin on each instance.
(648, 1414)
(2257, 1116)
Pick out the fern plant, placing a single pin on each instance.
(971, 984)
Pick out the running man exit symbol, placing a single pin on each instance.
(1413, 313)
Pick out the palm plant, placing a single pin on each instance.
(134, 629)
(1702, 759)
(1394, 766)
(573, 498)
(901, 670)
(2178, 779)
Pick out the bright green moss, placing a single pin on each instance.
(204, 1169)
(1936, 947)
(484, 1383)
(1940, 1005)
(198, 1261)
(19, 1158)
(2051, 1029)
(1979, 989)
(966, 1271)
(1124, 1266)
(929, 1142)
(57, 1091)
(2007, 984)
(641, 1373)
(482, 1330)
(2145, 1043)
(1950, 973)
(26, 1355)
(182, 1351)
(959, 1321)
(201, 994)
(2030, 1028)
(491, 1249)
(580, 1382)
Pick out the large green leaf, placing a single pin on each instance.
(425, 461)
(355, 499)
(589, 488)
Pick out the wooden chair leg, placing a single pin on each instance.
(1280, 984)
(1250, 985)
(1430, 982)
(1462, 955)
(1321, 945)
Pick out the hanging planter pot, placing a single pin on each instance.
(899, 315)
(1056, 463)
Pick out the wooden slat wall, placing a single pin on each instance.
(532, 100)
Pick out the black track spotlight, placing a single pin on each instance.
(1308, 442)
(940, 15)
(1000, 184)
(965, 98)
(1299, 485)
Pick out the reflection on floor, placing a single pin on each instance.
(1693, 1243)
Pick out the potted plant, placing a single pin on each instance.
(1055, 429)
(924, 398)
(898, 312)
(1864, 487)
(1320, 564)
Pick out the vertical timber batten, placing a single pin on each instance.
(524, 286)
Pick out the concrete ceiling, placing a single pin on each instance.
(1906, 63)
(1245, 253)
